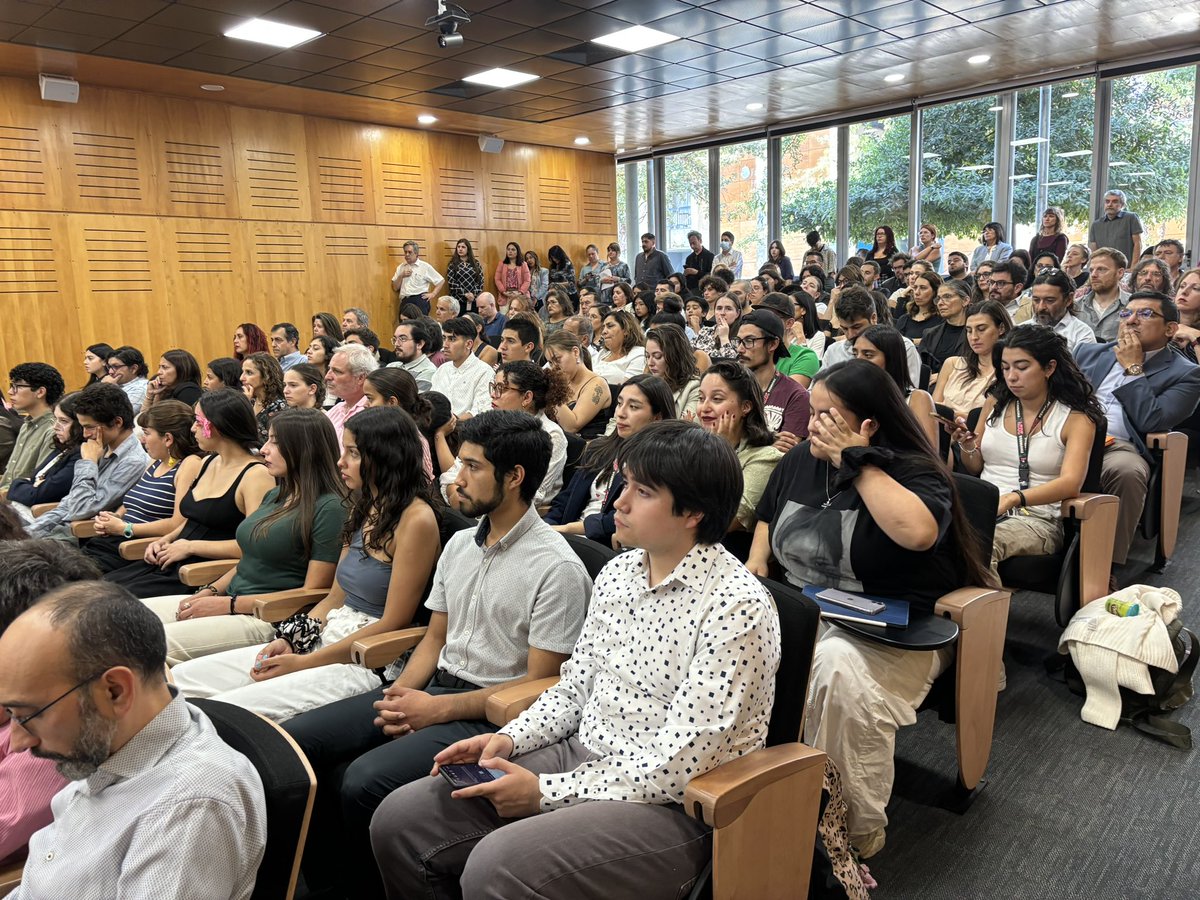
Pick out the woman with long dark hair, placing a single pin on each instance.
(965, 380)
(1033, 439)
(584, 411)
(731, 406)
(397, 387)
(670, 357)
(178, 378)
(151, 507)
(262, 381)
(512, 273)
(304, 387)
(883, 346)
(52, 479)
(307, 663)
(865, 505)
(95, 362)
(464, 275)
(326, 324)
(539, 278)
(624, 347)
(777, 256)
(223, 372)
(920, 307)
(881, 251)
(562, 270)
(249, 338)
(585, 505)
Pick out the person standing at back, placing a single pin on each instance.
(1117, 228)
(651, 265)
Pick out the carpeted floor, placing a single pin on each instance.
(1069, 810)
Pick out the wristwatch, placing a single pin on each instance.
(128, 531)
(1135, 369)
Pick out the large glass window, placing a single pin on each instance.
(685, 179)
(632, 178)
(744, 200)
(879, 182)
(808, 190)
(1150, 148)
(957, 171)
(622, 208)
(1052, 158)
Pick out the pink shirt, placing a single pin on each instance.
(339, 413)
(26, 784)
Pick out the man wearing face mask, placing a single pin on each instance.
(728, 257)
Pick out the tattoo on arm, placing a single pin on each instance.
(597, 394)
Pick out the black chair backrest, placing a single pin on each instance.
(452, 522)
(591, 553)
(288, 784)
(798, 621)
(923, 380)
(979, 499)
(943, 447)
(575, 447)
(1091, 481)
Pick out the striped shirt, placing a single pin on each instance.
(152, 499)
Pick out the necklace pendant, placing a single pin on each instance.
(827, 504)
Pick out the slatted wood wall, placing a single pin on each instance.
(158, 222)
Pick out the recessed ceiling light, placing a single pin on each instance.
(582, 139)
(893, 78)
(212, 87)
(754, 107)
(995, 108)
(1069, 94)
(620, 149)
(1025, 142)
(277, 34)
(636, 39)
(1071, 153)
(426, 119)
(978, 59)
(500, 78)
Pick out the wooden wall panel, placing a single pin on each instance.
(164, 222)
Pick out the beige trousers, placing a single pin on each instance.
(859, 694)
(211, 634)
(1025, 536)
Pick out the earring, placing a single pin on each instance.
(171, 461)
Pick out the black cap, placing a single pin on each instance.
(778, 303)
(769, 324)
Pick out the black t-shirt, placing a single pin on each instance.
(842, 546)
(703, 263)
(942, 342)
(915, 330)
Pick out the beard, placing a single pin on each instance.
(93, 745)
(476, 508)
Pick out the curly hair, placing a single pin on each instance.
(1066, 384)
(256, 340)
(549, 388)
(272, 376)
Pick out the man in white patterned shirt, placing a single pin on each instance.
(673, 675)
(160, 805)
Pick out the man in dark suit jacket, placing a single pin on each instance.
(1144, 386)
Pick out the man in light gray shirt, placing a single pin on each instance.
(111, 461)
(507, 603)
(158, 805)
(410, 340)
(1118, 228)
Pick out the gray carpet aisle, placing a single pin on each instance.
(1069, 810)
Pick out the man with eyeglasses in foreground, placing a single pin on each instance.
(33, 389)
(158, 804)
(1144, 387)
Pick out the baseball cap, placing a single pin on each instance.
(769, 324)
(778, 303)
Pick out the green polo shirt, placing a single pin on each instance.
(801, 360)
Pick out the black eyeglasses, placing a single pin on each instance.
(17, 385)
(748, 342)
(113, 368)
(1142, 313)
(23, 721)
(994, 283)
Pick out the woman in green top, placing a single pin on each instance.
(292, 540)
(731, 406)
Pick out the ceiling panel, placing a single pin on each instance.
(799, 58)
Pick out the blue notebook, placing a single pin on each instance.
(894, 613)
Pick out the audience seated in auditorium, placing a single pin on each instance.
(865, 505)
(947, 338)
(1170, 251)
(95, 362)
(855, 311)
(585, 409)
(28, 782)
(731, 407)
(111, 461)
(1143, 387)
(285, 345)
(521, 338)
(679, 611)
(326, 324)
(507, 602)
(411, 341)
(493, 319)
(178, 378)
(307, 664)
(483, 349)
(716, 339)
(348, 370)
(558, 309)
(883, 346)
(304, 387)
(919, 303)
(158, 803)
(262, 383)
(247, 338)
(964, 380)
(52, 477)
(223, 372)
(1036, 465)
(800, 361)
(127, 369)
(1187, 300)
(671, 358)
(624, 347)
(395, 387)
(1099, 307)
(1006, 286)
(465, 378)
(760, 339)
(151, 507)
(230, 486)
(1053, 302)
(585, 505)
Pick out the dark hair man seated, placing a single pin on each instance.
(672, 676)
(158, 803)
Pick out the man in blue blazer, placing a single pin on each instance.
(1144, 386)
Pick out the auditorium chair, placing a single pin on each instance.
(762, 807)
(1077, 574)
(289, 785)
(1160, 515)
(10, 877)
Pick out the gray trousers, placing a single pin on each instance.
(428, 844)
(1127, 475)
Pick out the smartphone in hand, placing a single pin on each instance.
(467, 775)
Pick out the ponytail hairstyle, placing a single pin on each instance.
(175, 418)
(399, 385)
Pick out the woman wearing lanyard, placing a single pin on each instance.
(1033, 440)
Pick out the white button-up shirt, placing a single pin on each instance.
(1118, 424)
(465, 386)
(664, 683)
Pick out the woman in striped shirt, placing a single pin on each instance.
(151, 506)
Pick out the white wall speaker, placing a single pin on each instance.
(489, 143)
(59, 88)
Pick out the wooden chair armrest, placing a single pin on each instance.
(135, 548)
(982, 617)
(202, 573)
(762, 807)
(40, 509)
(1160, 440)
(379, 650)
(1173, 446)
(507, 703)
(1085, 506)
(718, 797)
(1097, 516)
(84, 528)
(285, 604)
(10, 877)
